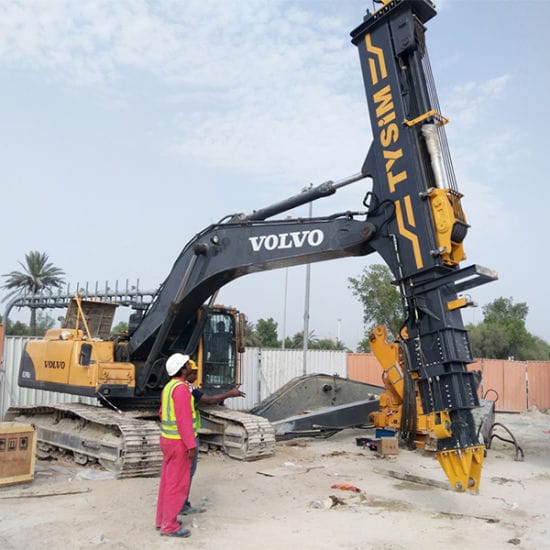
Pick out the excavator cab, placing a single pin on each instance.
(219, 357)
(220, 350)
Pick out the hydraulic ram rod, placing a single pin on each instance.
(308, 195)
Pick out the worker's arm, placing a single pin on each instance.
(184, 418)
(219, 397)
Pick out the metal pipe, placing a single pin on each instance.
(429, 131)
(284, 308)
(306, 305)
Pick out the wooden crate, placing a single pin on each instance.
(388, 446)
(17, 453)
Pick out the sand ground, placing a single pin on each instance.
(285, 501)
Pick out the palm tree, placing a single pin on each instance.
(298, 340)
(38, 274)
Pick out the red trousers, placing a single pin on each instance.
(174, 483)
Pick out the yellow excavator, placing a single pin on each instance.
(412, 217)
(81, 358)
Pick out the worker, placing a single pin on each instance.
(178, 446)
(200, 398)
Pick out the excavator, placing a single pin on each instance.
(83, 358)
(412, 217)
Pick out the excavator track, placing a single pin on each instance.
(123, 444)
(240, 435)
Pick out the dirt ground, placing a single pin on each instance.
(285, 501)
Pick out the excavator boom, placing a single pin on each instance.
(226, 251)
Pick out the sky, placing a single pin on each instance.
(127, 127)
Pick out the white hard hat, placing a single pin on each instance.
(175, 362)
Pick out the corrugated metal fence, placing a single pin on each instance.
(264, 371)
(515, 385)
(364, 367)
(504, 381)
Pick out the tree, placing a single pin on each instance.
(539, 349)
(44, 322)
(120, 328)
(488, 341)
(267, 332)
(329, 344)
(14, 329)
(380, 299)
(509, 319)
(251, 337)
(503, 335)
(297, 341)
(38, 274)
(504, 309)
(288, 343)
(17, 329)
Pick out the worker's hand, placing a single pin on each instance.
(236, 392)
(192, 453)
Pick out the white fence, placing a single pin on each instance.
(264, 371)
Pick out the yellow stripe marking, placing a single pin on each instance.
(408, 234)
(409, 211)
(379, 54)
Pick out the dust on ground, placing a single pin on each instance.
(288, 500)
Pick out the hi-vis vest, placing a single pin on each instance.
(168, 425)
(196, 414)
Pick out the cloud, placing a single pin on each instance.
(298, 135)
(204, 43)
(483, 150)
(471, 102)
(484, 147)
(256, 86)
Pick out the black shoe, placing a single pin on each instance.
(181, 532)
(191, 510)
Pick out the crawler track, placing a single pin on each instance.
(121, 443)
(240, 435)
(128, 445)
